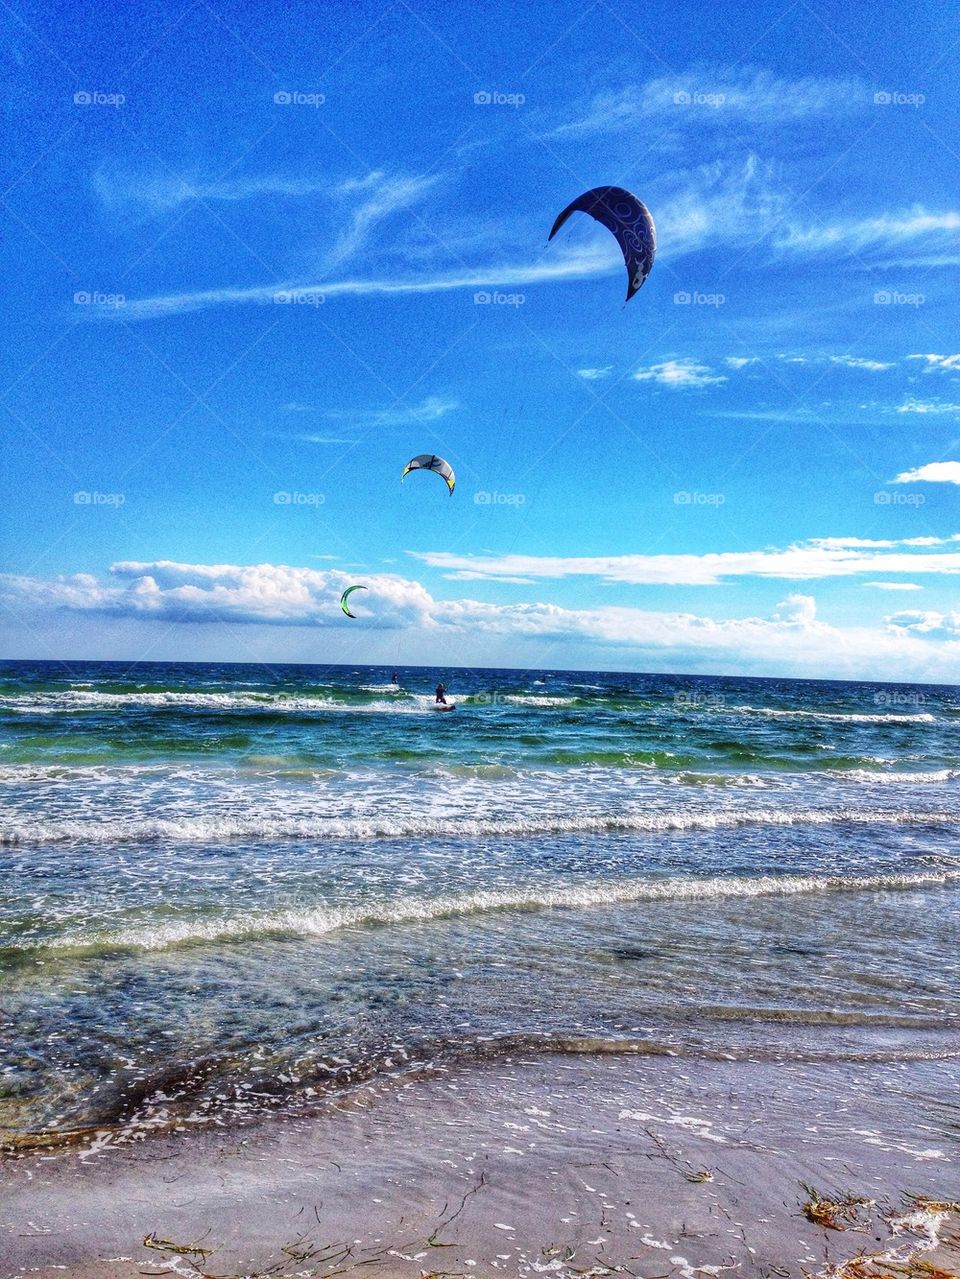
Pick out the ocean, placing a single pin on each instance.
(234, 889)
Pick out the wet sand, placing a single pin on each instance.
(577, 1165)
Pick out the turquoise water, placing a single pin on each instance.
(227, 888)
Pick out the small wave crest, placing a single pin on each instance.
(260, 828)
(322, 920)
(846, 717)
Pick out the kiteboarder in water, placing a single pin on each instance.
(441, 695)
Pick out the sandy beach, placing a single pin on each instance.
(534, 1165)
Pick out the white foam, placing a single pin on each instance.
(321, 920)
(848, 717)
(256, 825)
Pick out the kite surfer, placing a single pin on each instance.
(441, 695)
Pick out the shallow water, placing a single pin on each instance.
(231, 888)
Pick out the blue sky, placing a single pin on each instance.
(242, 250)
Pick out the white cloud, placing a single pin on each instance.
(430, 409)
(594, 375)
(577, 265)
(894, 586)
(856, 362)
(164, 192)
(683, 373)
(315, 439)
(808, 561)
(792, 640)
(928, 406)
(860, 235)
(939, 363)
(932, 625)
(931, 473)
(798, 609)
(278, 594)
(702, 99)
(381, 196)
(748, 203)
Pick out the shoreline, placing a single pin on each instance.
(527, 1165)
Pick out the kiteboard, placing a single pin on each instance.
(445, 706)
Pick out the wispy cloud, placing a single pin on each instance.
(164, 192)
(928, 406)
(430, 409)
(680, 374)
(749, 202)
(380, 196)
(932, 473)
(308, 438)
(858, 362)
(859, 235)
(703, 99)
(594, 375)
(787, 357)
(578, 265)
(819, 558)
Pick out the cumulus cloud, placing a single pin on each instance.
(792, 640)
(931, 473)
(679, 374)
(801, 610)
(278, 594)
(930, 625)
